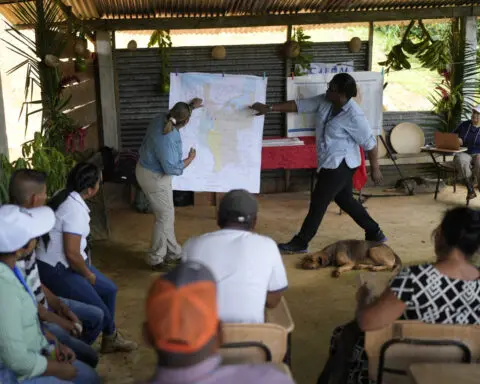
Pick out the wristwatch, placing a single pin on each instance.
(270, 107)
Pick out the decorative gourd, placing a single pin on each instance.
(355, 44)
(132, 45)
(219, 52)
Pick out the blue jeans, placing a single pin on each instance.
(90, 316)
(85, 375)
(64, 282)
(83, 351)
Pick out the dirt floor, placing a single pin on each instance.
(318, 302)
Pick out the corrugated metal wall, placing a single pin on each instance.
(138, 76)
(139, 82)
(140, 99)
(338, 53)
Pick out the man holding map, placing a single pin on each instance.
(340, 128)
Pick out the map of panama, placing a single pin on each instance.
(225, 132)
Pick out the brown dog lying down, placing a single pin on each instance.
(354, 254)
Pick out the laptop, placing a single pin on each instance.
(448, 141)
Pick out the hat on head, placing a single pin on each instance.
(181, 309)
(477, 108)
(239, 206)
(19, 225)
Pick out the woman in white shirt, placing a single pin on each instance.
(63, 261)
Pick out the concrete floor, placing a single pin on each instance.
(318, 302)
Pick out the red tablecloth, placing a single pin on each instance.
(291, 157)
(305, 157)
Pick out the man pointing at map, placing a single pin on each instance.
(340, 128)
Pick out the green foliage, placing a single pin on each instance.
(442, 49)
(48, 41)
(163, 40)
(36, 155)
(46, 151)
(396, 58)
(303, 59)
(48, 159)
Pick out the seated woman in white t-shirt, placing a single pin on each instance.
(248, 267)
(62, 258)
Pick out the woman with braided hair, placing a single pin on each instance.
(62, 256)
(160, 159)
(455, 298)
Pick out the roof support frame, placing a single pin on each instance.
(277, 20)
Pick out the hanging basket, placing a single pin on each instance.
(354, 45)
(52, 61)
(291, 49)
(80, 46)
(219, 52)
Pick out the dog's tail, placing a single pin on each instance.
(398, 264)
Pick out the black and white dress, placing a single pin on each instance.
(430, 297)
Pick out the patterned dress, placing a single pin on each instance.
(430, 297)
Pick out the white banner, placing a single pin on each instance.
(370, 99)
(225, 133)
(325, 68)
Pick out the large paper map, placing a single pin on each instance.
(370, 99)
(225, 133)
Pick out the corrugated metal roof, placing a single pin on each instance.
(134, 9)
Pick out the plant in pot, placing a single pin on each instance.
(163, 40)
(296, 49)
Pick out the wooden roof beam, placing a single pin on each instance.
(273, 20)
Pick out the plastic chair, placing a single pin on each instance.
(281, 315)
(254, 344)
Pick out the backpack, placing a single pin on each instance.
(141, 202)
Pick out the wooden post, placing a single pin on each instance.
(370, 45)
(107, 90)
(288, 70)
(3, 126)
(470, 29)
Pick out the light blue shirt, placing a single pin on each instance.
(338, 137)
(161, 153)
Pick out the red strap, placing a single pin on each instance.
(360, 177)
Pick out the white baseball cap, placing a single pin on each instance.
(477, 108)
(19, 225)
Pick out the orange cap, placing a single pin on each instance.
(181, 309)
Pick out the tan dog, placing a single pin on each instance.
(353, 254)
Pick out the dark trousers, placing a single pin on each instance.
(334, 185)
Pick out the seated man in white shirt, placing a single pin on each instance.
(248, 267)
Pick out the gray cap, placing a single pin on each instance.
(238, 206)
